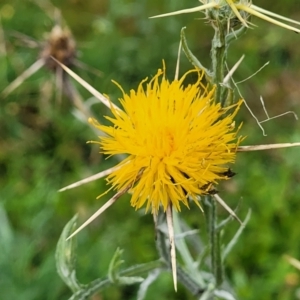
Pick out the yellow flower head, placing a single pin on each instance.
(178, 141)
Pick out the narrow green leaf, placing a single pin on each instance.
(234, 240)
(114, 271)
(221, 294)
(114, 266)
(65, 256)
(192, 58)
(152, 276)
(184, 251)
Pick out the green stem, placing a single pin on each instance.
(218, 55)
(99, 284)
(214, 239)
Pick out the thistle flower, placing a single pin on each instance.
(233, 8)
(178, 142)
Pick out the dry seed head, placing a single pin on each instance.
(60, 45)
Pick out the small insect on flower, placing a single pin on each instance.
(178, 142)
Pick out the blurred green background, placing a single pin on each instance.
(43, 148)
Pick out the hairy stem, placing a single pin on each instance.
(214, 239)
(218, 56)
